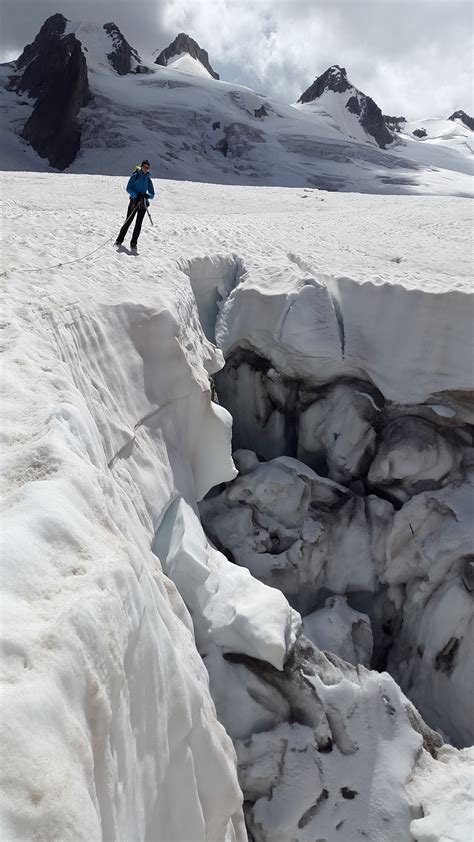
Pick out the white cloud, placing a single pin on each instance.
(414, 57)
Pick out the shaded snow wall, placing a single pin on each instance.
(114, 421)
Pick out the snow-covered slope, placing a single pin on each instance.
(192, 126)
(187, 64)
(451, 133)
(103, 46)
(437, 142)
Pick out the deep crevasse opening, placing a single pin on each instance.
(384, 521)
(350, 545)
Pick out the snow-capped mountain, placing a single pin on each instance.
(80, 97)
(333, 98)
(179, 53)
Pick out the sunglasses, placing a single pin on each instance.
(145, 167)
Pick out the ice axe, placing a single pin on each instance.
(145, 202)
(149, 216)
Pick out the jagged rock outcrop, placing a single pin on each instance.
(371, 118)
(52, 28)
(123, 58)
(394, 124)
(465, 118)
(420, 133)
(185, 44)
(53, 70)
(369, 114)
(333, 79)
(40, 59)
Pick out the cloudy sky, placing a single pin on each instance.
(414, 57)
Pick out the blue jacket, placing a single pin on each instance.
(140, 182)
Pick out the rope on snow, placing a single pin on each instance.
(67, 262)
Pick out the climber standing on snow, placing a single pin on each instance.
(140, 189)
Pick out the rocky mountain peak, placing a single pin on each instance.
(53, 71)
(465, 118)
(367, 111)
(183, 43)
(123, 58)
(51, 30)
(333, 79)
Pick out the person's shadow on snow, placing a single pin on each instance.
(133, 252)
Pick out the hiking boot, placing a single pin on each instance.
(117, 243)
(133, 246)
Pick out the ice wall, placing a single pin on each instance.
(108, 728)
(411, 343)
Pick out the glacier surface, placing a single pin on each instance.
(150, 685)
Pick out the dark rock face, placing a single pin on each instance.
(370, 116)
(52, 28)
(353, 105)
(55, 73)
(40, 59)
(53, 129)
(420, 132)
(394, 124)
(334, 79)
(122, 55)
(184, 44)
(373, 122)
(465, 118)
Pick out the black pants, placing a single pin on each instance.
(139, 209)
